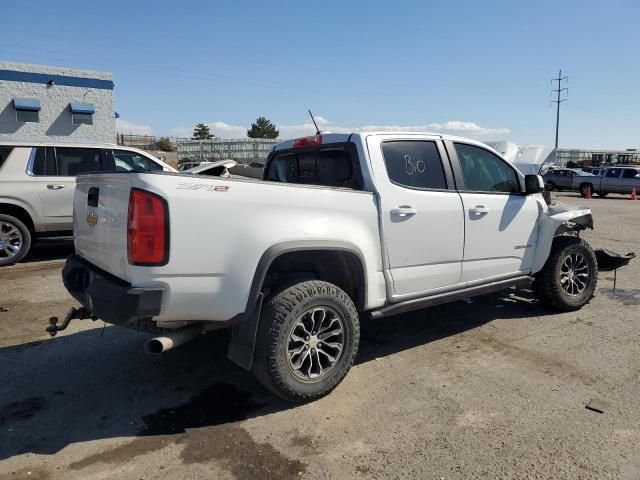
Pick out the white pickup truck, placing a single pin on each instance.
(341, 228)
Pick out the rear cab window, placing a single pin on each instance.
(332, 165)
(630, 173)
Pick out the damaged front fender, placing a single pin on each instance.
(558, 219)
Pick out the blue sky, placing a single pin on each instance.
(478, 69)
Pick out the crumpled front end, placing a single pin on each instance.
(558, 219)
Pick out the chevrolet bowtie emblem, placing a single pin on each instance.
(92, 219)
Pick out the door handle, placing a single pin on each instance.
(404, 211)
(55, 186)
(479, 210)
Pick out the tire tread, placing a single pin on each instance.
(545, 286)
(276, 313)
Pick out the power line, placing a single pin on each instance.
(559, 100)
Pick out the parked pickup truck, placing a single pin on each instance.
(566, 179)
(620, 179)
(341, 228)
(37, 182)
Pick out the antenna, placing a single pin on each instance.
(314, 123)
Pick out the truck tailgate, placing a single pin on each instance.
(100, 207)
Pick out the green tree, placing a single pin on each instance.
(201, 132)
(165, 145)
(262, 128)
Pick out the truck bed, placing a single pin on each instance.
(219, 229)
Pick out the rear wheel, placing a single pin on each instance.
(550, 186)
(568, 279)
(307, 341)
(15, 240)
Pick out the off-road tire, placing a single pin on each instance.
(550, 186)
(547, 284)
(26, 240)
(280, 313)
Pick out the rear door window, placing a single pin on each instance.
(629, 173)
(613, 173)
(74, 161)
(44, 162)
(414, 164)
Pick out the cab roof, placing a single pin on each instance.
(329, 137)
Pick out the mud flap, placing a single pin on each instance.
(242, 343)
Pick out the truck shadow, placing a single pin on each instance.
(50, 249)
(94, 385)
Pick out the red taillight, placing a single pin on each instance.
(147, 229)
(307, 141)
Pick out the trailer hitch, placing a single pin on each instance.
(74, 313)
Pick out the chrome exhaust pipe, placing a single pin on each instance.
(158, 345)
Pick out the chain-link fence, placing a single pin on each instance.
(242, 150)
(147, 142)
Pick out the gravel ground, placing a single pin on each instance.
(491, 388)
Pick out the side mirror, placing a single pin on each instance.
(533, 184)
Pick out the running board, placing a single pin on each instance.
(440, 298)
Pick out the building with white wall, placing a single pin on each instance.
(40, 103)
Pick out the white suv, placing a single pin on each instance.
(37, 184)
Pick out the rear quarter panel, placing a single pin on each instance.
(220, 228)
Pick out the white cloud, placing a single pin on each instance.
(469, 129)
(122, 126)
(224, 130)
(182, 132)
(454, 127)
(219, 129)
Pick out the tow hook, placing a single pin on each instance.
(74, 313)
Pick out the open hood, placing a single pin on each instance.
(530, 159)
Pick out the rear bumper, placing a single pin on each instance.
(108, 297)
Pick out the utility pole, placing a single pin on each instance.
(558, 101)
